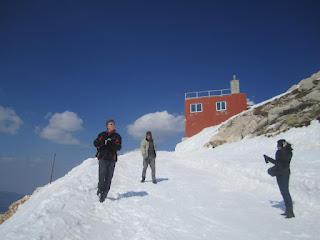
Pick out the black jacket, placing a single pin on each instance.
(282, 161)
(107, 144)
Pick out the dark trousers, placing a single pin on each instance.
(106, 169)
(283, 183)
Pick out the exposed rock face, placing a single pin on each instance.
(296, 108)
(13, 208)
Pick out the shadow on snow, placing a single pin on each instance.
(277, 204)
(159, 180)
(128, 195)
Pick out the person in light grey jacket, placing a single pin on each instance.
(149, 154)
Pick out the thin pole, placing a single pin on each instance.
(52, 167)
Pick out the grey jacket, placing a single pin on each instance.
(144, 147)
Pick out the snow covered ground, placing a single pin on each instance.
(222, 193)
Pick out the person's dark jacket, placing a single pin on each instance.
(107, 144)
(282, 161)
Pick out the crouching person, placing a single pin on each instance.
(149, 154)
(107, 144)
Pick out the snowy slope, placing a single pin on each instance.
(197, 141)
(220, 193)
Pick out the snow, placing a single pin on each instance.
(221, 193)
(197, 141)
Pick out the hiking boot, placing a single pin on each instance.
(143, 180)
(290, 213)
(154, 181)
(103, 197)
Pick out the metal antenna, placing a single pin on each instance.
(52, 167)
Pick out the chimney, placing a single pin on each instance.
(235, 85)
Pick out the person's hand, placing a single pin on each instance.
(107, 141)
(265, 158)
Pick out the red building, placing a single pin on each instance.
(208, 108)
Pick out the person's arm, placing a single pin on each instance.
(117, 143)
(269, 159)
(155, 148)
(99, 141)
(143, 148)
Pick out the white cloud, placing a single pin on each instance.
(61, 128)
(250, 102)
(7, 159)
(10, 122)
(161, 124)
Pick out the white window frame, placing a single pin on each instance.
(219, 103)
(196, 107)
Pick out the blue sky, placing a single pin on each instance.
(67, 66)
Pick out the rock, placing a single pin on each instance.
(216, 143)
(298, 107)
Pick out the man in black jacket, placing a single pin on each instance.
(107, 144)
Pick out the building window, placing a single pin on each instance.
(196, 107)
(221, 106)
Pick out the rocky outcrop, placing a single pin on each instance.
(13, 208)
(295, 108)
